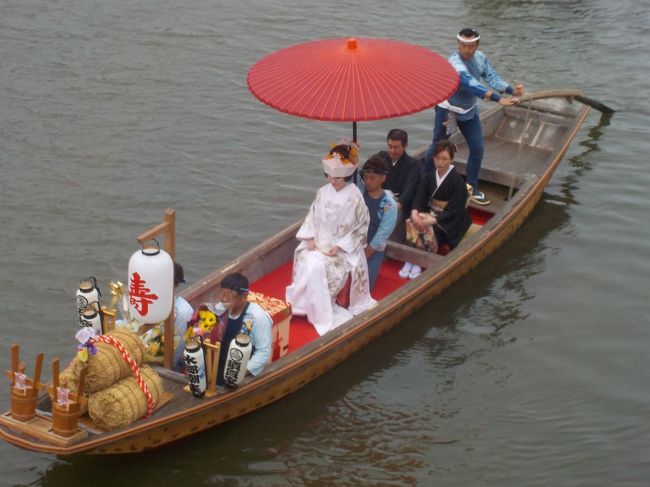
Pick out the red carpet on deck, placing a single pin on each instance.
(302, 332)
(479, 216)
(274, 285)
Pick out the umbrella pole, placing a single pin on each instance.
(354, 132)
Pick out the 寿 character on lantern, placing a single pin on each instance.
(151, 285)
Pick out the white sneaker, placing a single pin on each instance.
(406, 270)
(416, 270)
(479, 198)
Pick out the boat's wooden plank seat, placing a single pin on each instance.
(405, 253)
(507, 173)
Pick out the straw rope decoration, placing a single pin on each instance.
(134, 366)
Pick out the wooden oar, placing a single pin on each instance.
(567, 93)
(601, 107)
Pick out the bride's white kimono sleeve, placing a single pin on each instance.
(336, 218)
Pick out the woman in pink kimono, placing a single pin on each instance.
(332, 239)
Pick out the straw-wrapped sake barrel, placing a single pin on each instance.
(124, 402)
(107, 366)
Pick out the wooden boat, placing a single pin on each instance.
(524, 145)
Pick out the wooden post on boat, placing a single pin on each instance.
(211, 365)
(24, 391)
(168, 229)
(65, 414)
(109, 312)
(108, 324)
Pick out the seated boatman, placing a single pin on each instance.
(247, 318)
(383, 214)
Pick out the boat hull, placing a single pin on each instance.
(309, 362)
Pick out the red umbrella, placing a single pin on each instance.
(350, 80)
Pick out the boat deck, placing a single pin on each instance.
(504, 160)
(302, 332)
(518, 142)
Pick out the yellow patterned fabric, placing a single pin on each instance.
(276, 308)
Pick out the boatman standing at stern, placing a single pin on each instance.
(461, 108)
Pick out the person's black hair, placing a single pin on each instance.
(398, 134)
(235, 281)
(469, 32)
(445, 145)
(376, 164)
(179, 274)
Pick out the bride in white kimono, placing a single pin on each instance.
(331, 248)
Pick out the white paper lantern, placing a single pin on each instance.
(195, 366)
(151, 285)
(91, 317)
(87, 292)
(239, 353)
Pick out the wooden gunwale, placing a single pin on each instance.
(290, 373)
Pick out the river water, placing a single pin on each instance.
(531, 371)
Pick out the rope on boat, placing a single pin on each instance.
(151, 403)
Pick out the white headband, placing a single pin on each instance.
(467, 41)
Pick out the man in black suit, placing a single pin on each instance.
(403, 179)
(404, 172)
